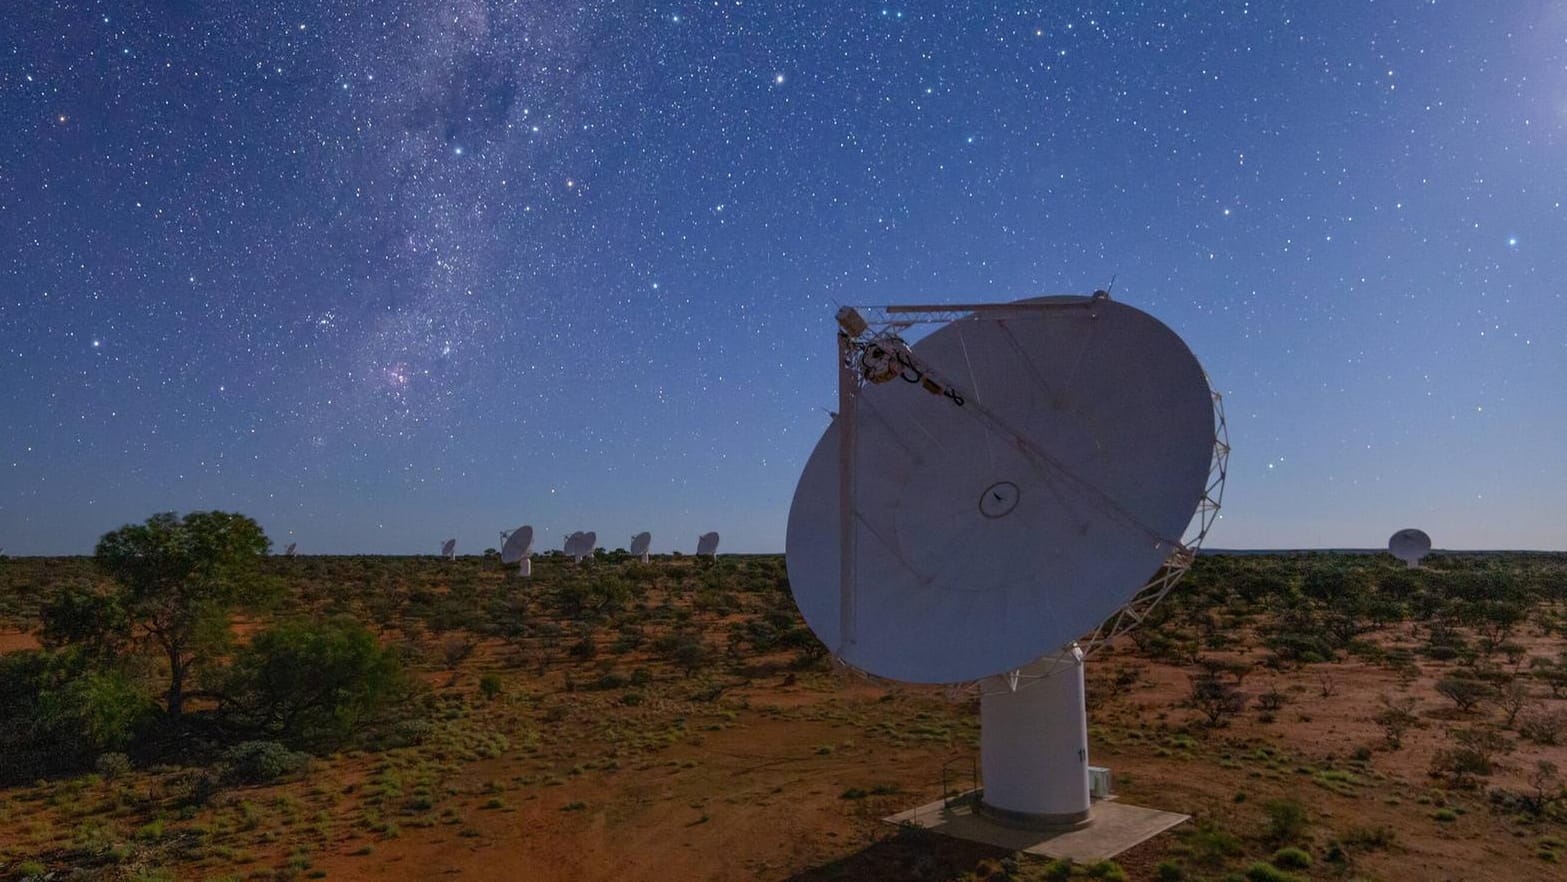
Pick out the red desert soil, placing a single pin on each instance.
(16, 641)
(762, 797)
(755, 768)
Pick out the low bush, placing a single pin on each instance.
(1291, 858)
(260, 762)
(1286, 821)
(112, 765)
(1262, 872)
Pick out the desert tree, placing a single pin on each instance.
(1396, 718)
(1543, 727)
(1547, 788)
(313, 684)
(1465, 692)
(1553, 673)
(1512, 698)
(179, 579)
(1214, 698)
(1472, 754)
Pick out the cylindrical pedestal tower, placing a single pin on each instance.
(525, 567)
(1034, 746)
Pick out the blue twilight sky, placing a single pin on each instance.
(381, 273)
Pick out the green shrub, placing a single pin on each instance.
(112, 765)
(60, 710)
(1286, 820)
(1291, 858)
(1369, 837)
(490, 686)
(1109, 870)
(1261, 872)
(1169, 871)
(1209, 844)
(315, 685)
(260, 762)
(1444, 815)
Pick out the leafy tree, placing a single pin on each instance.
(81, 615)
(180, 579)
(60, 710)
(1465, 692)
(1216, 699)
(313, 684)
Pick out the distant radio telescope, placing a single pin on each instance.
(580, 545)
(707, 545)
(1409, 546)
(449, 549)
(640, 544)
(290, 550)
(518, 544)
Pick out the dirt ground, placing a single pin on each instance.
(783, 773)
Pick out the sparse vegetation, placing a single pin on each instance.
(353, 706)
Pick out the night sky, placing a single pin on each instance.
(378, 274)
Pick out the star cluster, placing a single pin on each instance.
(380, 273)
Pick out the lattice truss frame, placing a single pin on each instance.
(864, 327)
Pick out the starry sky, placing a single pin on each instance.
(377, 274)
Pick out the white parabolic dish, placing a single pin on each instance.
(640, 544)
(448, 547)
(707, 544)
(995, 531)
(1409, 545)
(518, 544)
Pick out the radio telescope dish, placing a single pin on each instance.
(1013, 508)
(580, 545)
(519, 543)
(1409, 546)
(707, 545)
(1026, 476)
(449, 549)
(640, 544)
(289, 551)
(517, 547)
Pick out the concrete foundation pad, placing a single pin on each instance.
(1116, 827)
